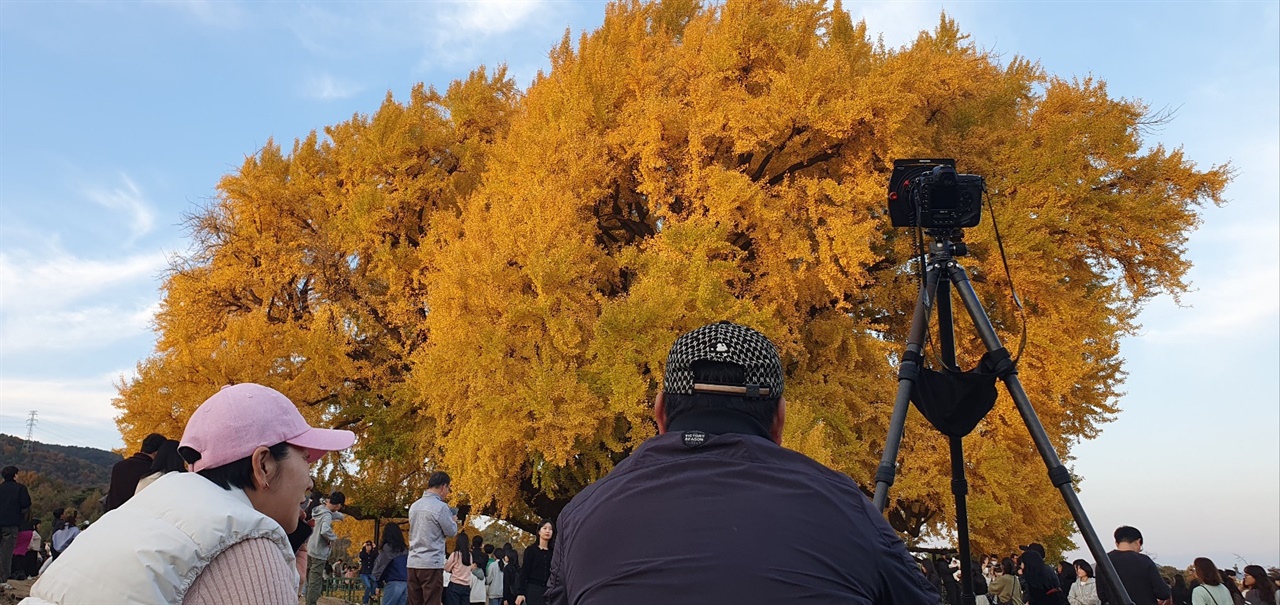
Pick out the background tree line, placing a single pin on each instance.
(486, 279)
(60, 476)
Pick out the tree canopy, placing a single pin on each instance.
(487, 280)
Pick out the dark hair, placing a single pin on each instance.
(1126, 533)
(437, 479)
(70, 514)
(1229, 581)
(1206, 571)
(513, 558)
(488, 549)
(1035, 571)
(762, 411)
(167, 459)
(9, 472)
(1088, 569)
(1261, 583)
(393, 537)
(460, 547)
(1006, 565)
(313, 501)
(151, 443)
(337, 498)
(239, 474)
(477, 550)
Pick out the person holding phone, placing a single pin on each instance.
(431, 522)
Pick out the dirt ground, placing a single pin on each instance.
(23, 588)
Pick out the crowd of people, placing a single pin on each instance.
(1023, 578)
(710, 510)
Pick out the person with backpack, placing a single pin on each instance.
(390, 569)
(493, 579)
(1005, 589)
(1211, 591)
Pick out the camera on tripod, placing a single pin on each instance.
(930, 194)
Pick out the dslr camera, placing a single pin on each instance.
(931, 195)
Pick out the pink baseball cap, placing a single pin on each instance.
(240, 418)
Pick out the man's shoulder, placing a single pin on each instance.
(1131, 557)
(133, 463)
(757, 456)
(427, 503)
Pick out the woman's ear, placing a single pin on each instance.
(264, 467)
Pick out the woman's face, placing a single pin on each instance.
(545, 532)
(1080, 573)
(1248, 580)
(288, 482)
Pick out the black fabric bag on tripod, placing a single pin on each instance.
(955, 402)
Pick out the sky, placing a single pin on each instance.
(118, 118)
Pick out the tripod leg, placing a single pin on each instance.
(908, 372)
(1058, 474)
(960, 489)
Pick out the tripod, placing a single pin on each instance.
(941, 261)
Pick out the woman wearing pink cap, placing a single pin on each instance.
(216, 535)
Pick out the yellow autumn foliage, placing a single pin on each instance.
(487, 280)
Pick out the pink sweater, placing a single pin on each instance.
(250, 573)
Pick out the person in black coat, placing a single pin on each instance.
(14, 504)
(532, 587)
(510, 574)
(1066, 576)
(1042, 582)
(126, 473)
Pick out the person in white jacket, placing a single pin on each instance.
(493, 579)
(1084, 591)
(213, 536)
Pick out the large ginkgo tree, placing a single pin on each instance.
(487, 280)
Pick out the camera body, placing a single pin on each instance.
(930, 194)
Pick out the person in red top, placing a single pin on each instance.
(126, 473)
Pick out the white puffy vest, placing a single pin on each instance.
(150, 550)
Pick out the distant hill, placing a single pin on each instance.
(82, 466)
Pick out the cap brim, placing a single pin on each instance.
(324, 440)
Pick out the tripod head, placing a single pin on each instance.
(947, 243)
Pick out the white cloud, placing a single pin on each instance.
(491, 17)
(450, 34)
(327, 87)
(209, 12)
(58, 301)
(1228, 306)
(128, 199)
(74, 411)
(900, 23)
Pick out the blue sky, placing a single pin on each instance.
(116, 118)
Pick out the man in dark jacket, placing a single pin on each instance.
(714, 510)
(14, 503)
(126, 473)
(1139, 574)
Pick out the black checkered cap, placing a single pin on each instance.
(731, 343)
